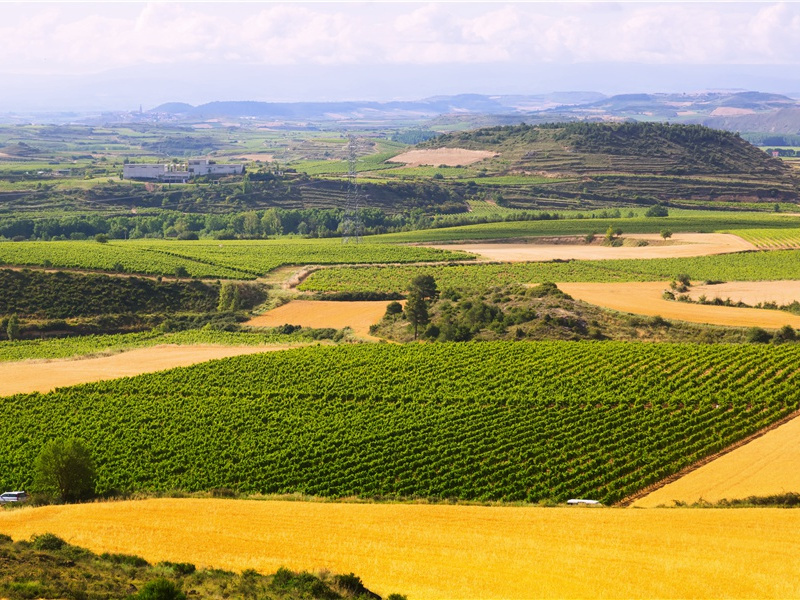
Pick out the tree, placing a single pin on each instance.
(666, 234)
(180, 271)
(13, 328)
(416, 310)
(65, 469)
(101, 238)
(229, 297)
(657, 211)
(425, 285)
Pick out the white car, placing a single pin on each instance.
(7, 497)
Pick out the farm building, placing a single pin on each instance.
(179, 173)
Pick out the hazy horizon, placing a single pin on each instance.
(118, 56)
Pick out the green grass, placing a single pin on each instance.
(490, 421)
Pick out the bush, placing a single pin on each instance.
(657, 211)
(125, 559)
(394, 308)
(101, 238)
(160, 589)
(756, 335)
(65, 469)
(48, 541)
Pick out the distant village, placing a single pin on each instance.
(179, 173)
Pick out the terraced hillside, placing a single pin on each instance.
(642, 162)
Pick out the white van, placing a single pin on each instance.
(13, 497)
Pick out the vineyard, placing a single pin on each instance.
(490, 421)
(218, 259)
(746, 266)
(769, 239)
(678, 221)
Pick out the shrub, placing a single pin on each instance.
(657, 211)
(394, 308)
(48, 541)
(757, 335)
(160, 589)
(101, 238)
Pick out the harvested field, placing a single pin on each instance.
(321, 313)
(441, 551)
(680, 245)
(257, 156)
(645, 299)
(45, 376)
(452, 157)
(750, 292)
(767, 465)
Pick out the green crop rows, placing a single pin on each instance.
(745, 266)
(96, 344)
(218, 259)
(489, 421)
(770, 238)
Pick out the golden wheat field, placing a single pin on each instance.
(321, 313)
(645, 299)
(46, 375)
(452, 157)
(767, 465)
(447, 551)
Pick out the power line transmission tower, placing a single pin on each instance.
(351, 220)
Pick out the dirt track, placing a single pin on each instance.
(682, 245)
(645, 299)
(318, 313)
(44, 376)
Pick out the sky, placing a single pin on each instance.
(118, 55)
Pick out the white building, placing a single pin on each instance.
(179, 173)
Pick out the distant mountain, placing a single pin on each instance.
(426, 108)
(783, 121)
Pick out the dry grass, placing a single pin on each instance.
(452, 157)
(320, 313)
(766, 466)
(681, 245)
(440, 551)
(45, 376)
(257, 156)
(645, 299)
(750, 292)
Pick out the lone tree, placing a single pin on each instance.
(13, 328)
(666, 234)
(426, 286)
(65, 469)
(416, 310)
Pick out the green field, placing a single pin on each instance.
(218, 259)
(745, 266)
(677, 221)
(770, 238)
(85, 345)
(490, 421)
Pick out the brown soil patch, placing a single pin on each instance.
(257, 156)
(320, 313)
(770, 464)
(730, 111)
(750, 292)
(645, 299)
(45, 376)
(452, 157)
(682, 245)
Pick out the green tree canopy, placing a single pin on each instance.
(65, 469)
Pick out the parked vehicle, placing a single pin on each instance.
(7, 497)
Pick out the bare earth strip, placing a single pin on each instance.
(257, 156)
(750, 292)
(320, 313)
(45, 376)
(768, 465)
(684, 244)
(452, 157)
(445, 551)
(645, 299)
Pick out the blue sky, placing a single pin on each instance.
(99, 54)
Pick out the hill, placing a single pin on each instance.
(643, 162)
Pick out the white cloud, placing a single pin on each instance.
(81, 37)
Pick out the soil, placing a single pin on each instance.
(569, 248)
(451, 157)
(320, 313)
(44, 376)
(645, 299)
(750, 292)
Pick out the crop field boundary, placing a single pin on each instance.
(628, 500)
